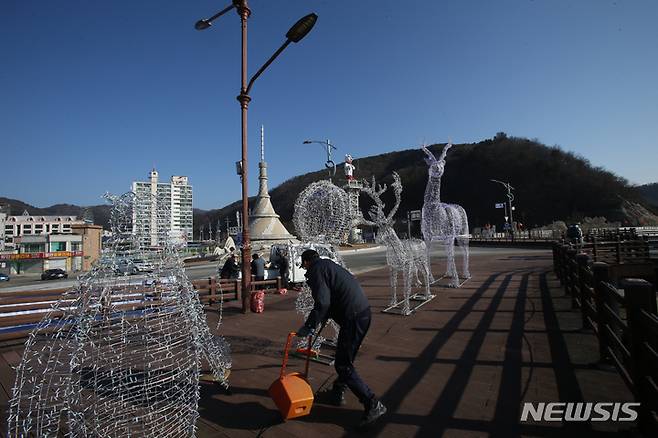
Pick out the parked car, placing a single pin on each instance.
(133, 266)
(143, 265)
(54, 274)
(4, 277)
(294, 254)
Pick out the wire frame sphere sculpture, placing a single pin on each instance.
(322, 213)
(119, 355)
(322, 217)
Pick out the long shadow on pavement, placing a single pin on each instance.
(235, 415)
(414, 373)
(505, 422)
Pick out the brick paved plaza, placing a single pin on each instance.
(461, 366)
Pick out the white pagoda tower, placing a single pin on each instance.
(264, 224)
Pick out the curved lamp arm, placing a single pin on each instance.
(294, 35)
(205, 23)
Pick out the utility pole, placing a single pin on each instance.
(408, 224)
(510, 198)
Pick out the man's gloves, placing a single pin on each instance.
(304, 331)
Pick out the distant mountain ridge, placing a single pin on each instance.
(100, 213)
(650, 193)
(549, 184)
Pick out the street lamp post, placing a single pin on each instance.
(510, 198)
(295, 34)
(330, 164)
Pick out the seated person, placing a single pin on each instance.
(258, 266)
(231, 268)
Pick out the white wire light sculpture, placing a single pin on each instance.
(322, 213)
(119, 356)
(444, 222)
(406, 256)
(322, 218)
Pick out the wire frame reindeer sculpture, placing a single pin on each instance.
(444, 222)
(407, 256)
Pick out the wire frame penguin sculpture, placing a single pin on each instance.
(119, 356)
(444, 222)
(407, 256)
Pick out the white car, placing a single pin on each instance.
(294, 256)
(133, 266)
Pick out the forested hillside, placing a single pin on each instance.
(549, 184)
(650, 193)
(100, 214)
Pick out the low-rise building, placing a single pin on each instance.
(39, 225)
(38, 253)
(33, 244)
(3, 219)
(92, 236)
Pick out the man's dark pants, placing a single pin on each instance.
(351, 334)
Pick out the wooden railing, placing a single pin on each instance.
(610, 235)
(638, 251)
(32, 305)
(210, 290)
(625, 320)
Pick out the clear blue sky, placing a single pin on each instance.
(94, 93)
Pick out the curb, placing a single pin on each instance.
(352, 251)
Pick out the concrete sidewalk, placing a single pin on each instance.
(461, 366)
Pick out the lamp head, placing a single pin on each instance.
(307, 142)
(202, 24)
(300, 29)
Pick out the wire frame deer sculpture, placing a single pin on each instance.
(407, 256)
(444, 222)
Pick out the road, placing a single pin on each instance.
(358, 262)
(369, 259)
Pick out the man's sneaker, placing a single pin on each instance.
(337, 396)
(376, 410)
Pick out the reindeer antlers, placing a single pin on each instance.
(375, 191)
(397, 188)
(376, 212)
(431, 156)
(445, 151)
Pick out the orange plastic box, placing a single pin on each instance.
(291, 393)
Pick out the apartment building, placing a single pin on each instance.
(162, 209)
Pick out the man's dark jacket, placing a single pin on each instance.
(230, 269)
(258, 267)
(336, 292)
